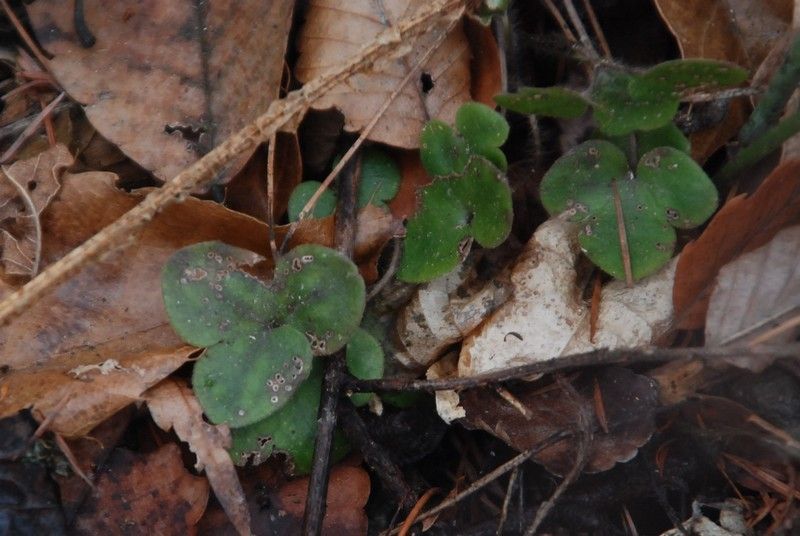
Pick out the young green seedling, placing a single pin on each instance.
(667, 190)
(379, 183)
(623, 101)
(468, 199)
(259, 337)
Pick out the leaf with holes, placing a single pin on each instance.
(475, 204)
(290, 431)
(667, 190)
(260, 337)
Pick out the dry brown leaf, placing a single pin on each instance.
(744, 223)
(740, 31)
(629, 403)
(174, 406)
(413, 178)
(147, 493)
(335, 31)
(81, 389)
(168, 80)
(348, 491)
(39, 177)
(755, 291)
(247, 192)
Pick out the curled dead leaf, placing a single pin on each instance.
(174, 406)
(744, 223)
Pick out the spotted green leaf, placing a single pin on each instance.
(617, 111)
(259, 336)
(671, 78)
(667, 190)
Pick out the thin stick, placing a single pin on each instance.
(23, 33)
(565, 29)
(37, 224)
(507, 501)
(414, 513)
(73, 462)
(273, 243)
(569, 479)
(490, 477)
(387, 276)
(598, 31)
(602, 356)
(577, 23)
(362, 137)
(30, 129)
(120, 233)
(781, 328)
(623, 236)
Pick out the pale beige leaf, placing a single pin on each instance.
(546, 318)
(756, 291)
(334, 31)
(174, 406)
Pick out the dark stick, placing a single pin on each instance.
(602, 356)
(85, 35)
(376, 457)
(334, 366)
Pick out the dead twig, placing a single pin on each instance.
(414, 513)
(30, 129)
(487, 479)
(601, 356)
(281, 112)
(507, 501)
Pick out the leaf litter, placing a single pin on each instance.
(101, 342)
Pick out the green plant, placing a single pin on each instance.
(469, 197)
(291, 430)
(260, 337)
(631, 188)
(379, 183)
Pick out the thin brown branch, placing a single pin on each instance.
(487, 479)
(598, 31)
(602, 356)
(273, 243)
(281, 112)
(23, 34)
(583, 36)
(623, 236)
(30, 129)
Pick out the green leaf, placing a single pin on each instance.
(476, 204)
(380, 178)
(364, 361)
(326, 204)
(668, 190)
(290, 431)
(442, 152)
(548, 101)
(266, 366)
(254, 330)
(671, 78)
(481, 126)
(619, 112)
(667, 136)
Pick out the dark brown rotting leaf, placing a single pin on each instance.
(629, 401)
(152, 492)
(168, 80)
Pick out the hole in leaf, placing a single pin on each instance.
(189, 133)
(427, 82)
(32, 185)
